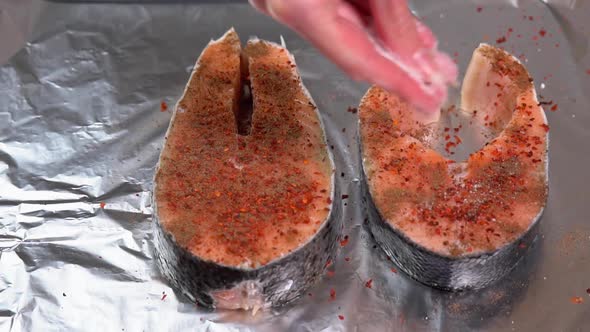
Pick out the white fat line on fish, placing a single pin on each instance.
(283, 43)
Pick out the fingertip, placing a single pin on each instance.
(277, 9)
(446, 67)
(426, 35)
(424, 99)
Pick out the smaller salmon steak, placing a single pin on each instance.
(458, 225)
(245, 183)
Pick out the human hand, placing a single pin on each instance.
(378, 41)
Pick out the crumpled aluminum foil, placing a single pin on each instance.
(81, 128)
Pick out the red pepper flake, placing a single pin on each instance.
(394, 270)
(330, 274)
(164, 296)
(347, 259)
(577, 300)
(163, 106)
(546, 127)
(344, 196)
(102, 205)
(554, 108)
(332, 294)
(479, 9)
(531, 18)
(352, 110)
(340, 317)
(328, 263)
(501, 40)
(542, 32)
(369, 283)
(588, 290)
(344, 241)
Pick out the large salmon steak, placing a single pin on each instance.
(458, 224)
(245, 214)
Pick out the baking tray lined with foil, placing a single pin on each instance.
(82, 120)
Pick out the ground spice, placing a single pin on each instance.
(369, 283)
(542, 32)
(394, 270)
(501, 40)
(554, 108)
(340, 317)
(163, 106)
(102, 205)
(332, 294)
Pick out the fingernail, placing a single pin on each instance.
(448, 67)
(278, 10)
(257, 4)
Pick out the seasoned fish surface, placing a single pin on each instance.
(453, 224)
(245, 217)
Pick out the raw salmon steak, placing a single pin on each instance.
(244, 188)
(458, 225)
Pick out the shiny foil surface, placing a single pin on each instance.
(83, 90)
